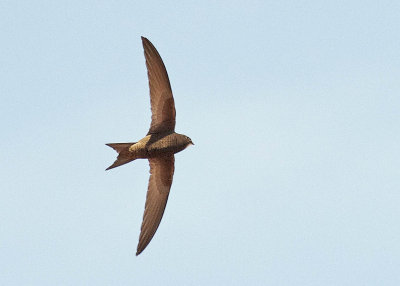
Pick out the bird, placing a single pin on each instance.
(158, 146)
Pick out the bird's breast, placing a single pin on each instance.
(165, 145)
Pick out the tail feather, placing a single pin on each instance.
(124, 156)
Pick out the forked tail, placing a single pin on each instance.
(124, 156)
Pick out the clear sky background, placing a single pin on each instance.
(294, 107)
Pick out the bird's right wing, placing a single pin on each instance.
(162, 101)
(161, 174)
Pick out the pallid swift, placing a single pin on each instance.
(159, 145)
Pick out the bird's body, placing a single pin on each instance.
(162, 144)
(153, 145)
(158, 146)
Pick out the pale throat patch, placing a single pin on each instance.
(188, 145)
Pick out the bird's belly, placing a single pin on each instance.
(165, 145)
(159, 149)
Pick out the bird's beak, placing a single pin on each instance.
(191, 143)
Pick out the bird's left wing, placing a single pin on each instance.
(161, 99)
(161, 174)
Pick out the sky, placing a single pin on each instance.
(294, 110)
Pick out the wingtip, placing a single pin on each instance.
(139, 249)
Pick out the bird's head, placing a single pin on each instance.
(183, 141)
(188, 141)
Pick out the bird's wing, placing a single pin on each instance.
(162, 101)
(161, 174)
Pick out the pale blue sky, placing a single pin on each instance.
(294, 107)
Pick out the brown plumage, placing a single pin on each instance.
(158, 146)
